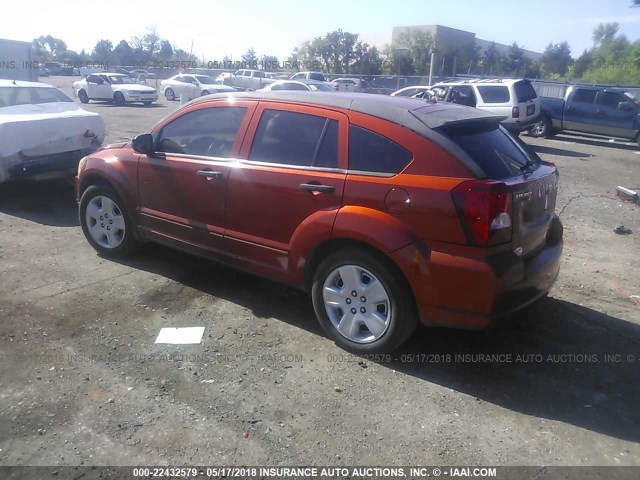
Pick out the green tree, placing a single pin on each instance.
(271, 63)
(102, 51)
(250, 58)
(166, 50)
(418, 45)
(123, 54)
(514, 60)
(47, 47)
(557, 58)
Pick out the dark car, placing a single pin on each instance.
(388, 211)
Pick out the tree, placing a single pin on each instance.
(604, 32)
(250, 58)
(491, 60)
(514, 60)
(166, 50)
(270, 62)
(557, 58)
(123, 53)
(102, 51)
(418, 45)
(368, 61)
(582, 64)
(48, 48)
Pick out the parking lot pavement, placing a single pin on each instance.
(82, 381)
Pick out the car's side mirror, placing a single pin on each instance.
(143, 143)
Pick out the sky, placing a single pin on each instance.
(213, 29)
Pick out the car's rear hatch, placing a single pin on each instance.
(514, 196)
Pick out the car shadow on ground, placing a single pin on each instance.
(559, 152)
(48, 203)
(557, 361)
(128, 105)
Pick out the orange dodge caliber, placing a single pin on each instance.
(387, 210)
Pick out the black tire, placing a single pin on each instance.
(118, 99)
(170, 94)
(398, 313)
(82, 95)
(204, 92)
(117, 215)
(543, 128)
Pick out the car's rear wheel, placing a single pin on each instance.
(105, 222)
(363, 302)
(543, 128)
(169, 94)
(118, 99)
(82, 95)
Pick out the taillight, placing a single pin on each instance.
(485, 209)
(515, 112)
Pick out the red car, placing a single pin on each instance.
(389, 211)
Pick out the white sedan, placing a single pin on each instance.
(191, 86)
(114, 87)
(43, 132)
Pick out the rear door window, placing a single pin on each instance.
(292, 138)
(370, 152)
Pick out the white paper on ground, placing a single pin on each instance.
(180, 336)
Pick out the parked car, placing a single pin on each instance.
(220, 78)
(191, 85)
(516, 99)
(387, 210)
(115, 87)
(318, 76)
(350, 84)
(138, 73)
(43, 132)
(57, 68)
(614, 112)
(246, 79)
(411, 91)
(307, 85)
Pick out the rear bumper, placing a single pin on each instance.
(520, 126)
(468, 292)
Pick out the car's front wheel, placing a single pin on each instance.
(170, 94)
(363, 302)
(541, 129)
(118, 99)
(105, 222)
(204, 92)
(82, 95)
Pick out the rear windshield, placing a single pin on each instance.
(524, 91)
(498, 154)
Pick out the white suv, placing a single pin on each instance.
(513, 98)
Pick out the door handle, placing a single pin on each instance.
(316, 187)
(210, 174)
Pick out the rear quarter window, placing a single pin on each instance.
(373, 153)
(497, 94)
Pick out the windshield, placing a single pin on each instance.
(119, 79)
(10, 96)
(206, 80)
